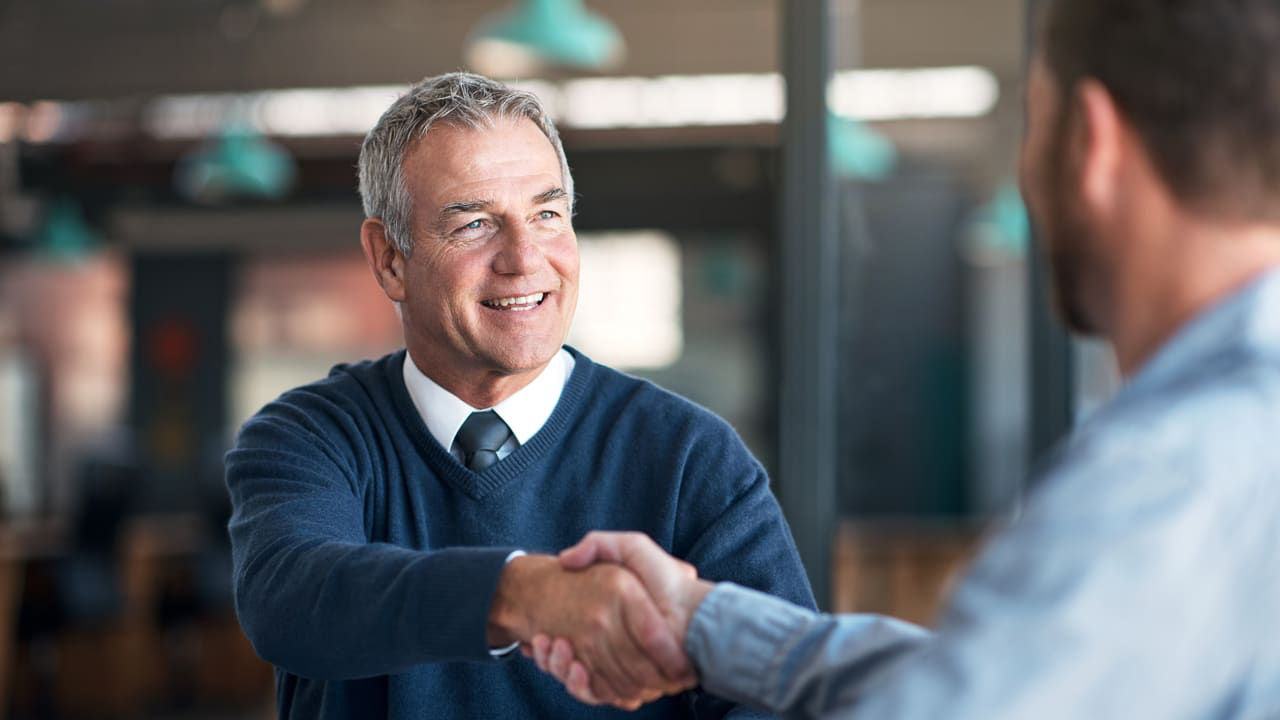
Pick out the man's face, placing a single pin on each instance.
(492, 283)
(1048, 176)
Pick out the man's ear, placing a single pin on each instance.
(1099, 142)
(384, 258)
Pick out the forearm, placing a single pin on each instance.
(756, 649)
(337, 610)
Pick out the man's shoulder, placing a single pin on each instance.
(350, 390)
(630, 394)
(1206, 437)
(1234, 403)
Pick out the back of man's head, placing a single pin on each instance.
(1199, 80)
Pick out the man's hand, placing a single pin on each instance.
(672, 583)
(604, 615)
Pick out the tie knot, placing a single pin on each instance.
(480, 437)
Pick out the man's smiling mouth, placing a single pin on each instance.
(515, 303)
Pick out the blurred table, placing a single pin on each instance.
(122, 667)
(901, 568)
(21, 541)
(118, 669)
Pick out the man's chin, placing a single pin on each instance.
(522, 360)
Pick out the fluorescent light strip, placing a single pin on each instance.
(672, 101)
(588, 103)
(683, 100)
(955, 92)
(286, 113)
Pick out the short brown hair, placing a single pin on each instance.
(1200, 82)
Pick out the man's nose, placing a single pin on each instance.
(519, 253)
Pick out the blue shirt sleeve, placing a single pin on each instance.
(758, 649)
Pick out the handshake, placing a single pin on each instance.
(607, 617)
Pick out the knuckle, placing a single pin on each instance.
(649, 634)
(616, 580)
(597, 619)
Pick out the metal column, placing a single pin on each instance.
(810, 295)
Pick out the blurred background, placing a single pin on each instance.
(801, 214)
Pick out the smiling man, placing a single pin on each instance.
(380, 515)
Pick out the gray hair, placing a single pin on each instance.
(457, 99)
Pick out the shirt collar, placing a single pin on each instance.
(1246, 321)
(525, 412)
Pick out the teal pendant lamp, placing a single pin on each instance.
(63, 233)
(858, 152)
(1005, 227)
(544, 32)
(238, 163)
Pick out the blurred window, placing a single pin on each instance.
(295, 316)
(19, 494)
(628, 312)
(65, 358)
(934, 381)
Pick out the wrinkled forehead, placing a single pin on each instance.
(450, 156)
(451, 165)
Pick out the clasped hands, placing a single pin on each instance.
(607, 617)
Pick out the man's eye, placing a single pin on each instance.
(472, 228)
(547, 214)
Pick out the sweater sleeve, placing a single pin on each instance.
(313, 594)
(732, 529)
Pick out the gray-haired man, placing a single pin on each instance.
(380, 515)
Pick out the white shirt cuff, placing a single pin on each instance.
(505, 651)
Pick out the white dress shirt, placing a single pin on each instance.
(525, 412)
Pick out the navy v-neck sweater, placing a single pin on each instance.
(366, 557)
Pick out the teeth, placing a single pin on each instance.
(533, 299)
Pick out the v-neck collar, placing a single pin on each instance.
(479, 485)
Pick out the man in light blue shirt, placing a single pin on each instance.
(1142, 577)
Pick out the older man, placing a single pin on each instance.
(1142, 578)
(381, 515)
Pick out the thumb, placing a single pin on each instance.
(649, 630)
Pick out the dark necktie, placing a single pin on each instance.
(479, 439)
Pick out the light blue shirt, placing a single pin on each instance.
(1142, 579)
